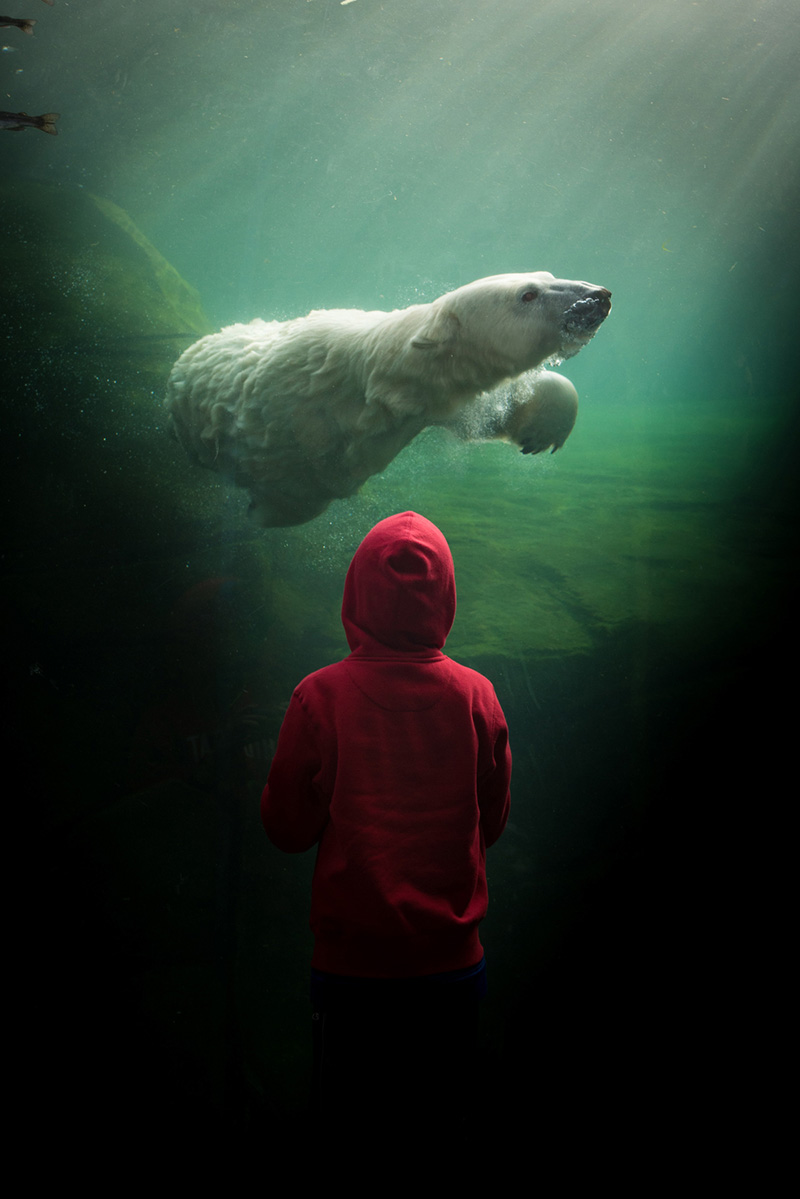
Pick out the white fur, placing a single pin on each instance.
(301, 412)
(536, 411)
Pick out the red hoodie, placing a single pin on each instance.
(396, 762)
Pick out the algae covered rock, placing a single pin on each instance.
(80, 261)
(88, 304)
(92, 316)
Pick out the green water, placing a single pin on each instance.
(629, 596)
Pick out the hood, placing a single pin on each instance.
(400, 590)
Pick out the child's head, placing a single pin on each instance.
(400, 591)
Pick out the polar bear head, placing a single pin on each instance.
(513, 323)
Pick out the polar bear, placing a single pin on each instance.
(304, 411)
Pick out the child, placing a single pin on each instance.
(395, 763)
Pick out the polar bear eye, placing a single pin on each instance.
(527, 296)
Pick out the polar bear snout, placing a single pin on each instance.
(587, 315)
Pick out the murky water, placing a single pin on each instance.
(628, 595)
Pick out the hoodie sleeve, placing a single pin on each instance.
(294, 811)
(494, 786)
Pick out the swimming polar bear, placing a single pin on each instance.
(304, 411)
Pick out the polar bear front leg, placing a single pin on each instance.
(541, 413)
(535, 411)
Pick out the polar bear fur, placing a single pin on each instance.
(536, 411)
(303, 411)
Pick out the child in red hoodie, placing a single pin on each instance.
(395, 763)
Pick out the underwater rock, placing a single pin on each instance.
(91, 317)
(86, 300)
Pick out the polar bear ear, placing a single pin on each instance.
(439, 327)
